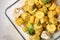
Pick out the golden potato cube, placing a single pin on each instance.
(31, 19)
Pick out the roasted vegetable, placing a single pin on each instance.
(46, 1)
(45, 35)
(38, 29)
(58, 18)
(30, 30)
(53, 20)
(25, 16)
(24, 28)
(19, 21)
(51, 14)
(34, 37)
(31, 19)
(48, 5)
(58, 10)
(53, 6)
(58, 27)
(51, 28)
(44, 9)
(40, 18)
(39, 14)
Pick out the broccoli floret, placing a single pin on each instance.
(30, 30)
(46, 1)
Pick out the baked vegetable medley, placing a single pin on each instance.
(40, 18)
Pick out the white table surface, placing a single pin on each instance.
(7, 31)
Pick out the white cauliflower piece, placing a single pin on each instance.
(45, 35)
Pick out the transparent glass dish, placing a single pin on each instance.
(9, 14)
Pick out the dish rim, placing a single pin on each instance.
(11, 20)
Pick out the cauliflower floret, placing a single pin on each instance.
(30, 2)
(51, 14)
(51, 28)
(53, 20)
(44, 9)
(17, 12)
(37, 3)
(28, 7)
(44, 19)
(45, 35)
(38, 29)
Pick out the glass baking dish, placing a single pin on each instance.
(9, 14)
